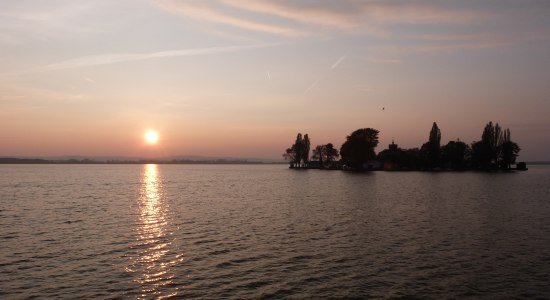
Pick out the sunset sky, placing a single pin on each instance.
(241, 78)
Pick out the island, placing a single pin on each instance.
(495, 151)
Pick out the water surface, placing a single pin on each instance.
(245, 231)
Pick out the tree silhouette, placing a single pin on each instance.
(509, 150)
(298, 153)
(331, 153)
(305, 150)
(455, 155)
(290, 155)
(496, 149)
(432, 148)
(481, 155)
(299, 148)
(318, 154)
(293, 154)
(358, 148)
(412, 159)
(325, 154)
(492, 138)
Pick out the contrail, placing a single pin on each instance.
(268, 75)
(338, 62)
(311, 86)
(105, 59)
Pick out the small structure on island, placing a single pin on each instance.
(391, 158)
(521, 166)
(314, 164)
(372, 165)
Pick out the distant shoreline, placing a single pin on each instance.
(40, 161)
(532, 163)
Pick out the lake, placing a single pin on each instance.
(252, 231)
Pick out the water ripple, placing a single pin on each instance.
(106, 231)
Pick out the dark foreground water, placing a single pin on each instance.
(216, 231)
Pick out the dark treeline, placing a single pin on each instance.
(495, 151)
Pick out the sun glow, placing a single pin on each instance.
(151, 137)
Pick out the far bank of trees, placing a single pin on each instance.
(495, 150)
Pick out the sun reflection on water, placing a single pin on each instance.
(153, 263)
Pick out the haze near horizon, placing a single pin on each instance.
(240, 78)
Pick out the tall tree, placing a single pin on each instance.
(305, 153)
(299, 148)
(509, 150)
(492, 138)
(358, 148)
(297, 154)
(433, 146)
(496, 149)
(486, 153)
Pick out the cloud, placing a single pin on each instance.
(21, 22)
(300, 18)
(425, 25)
(377, 60)
(420, 13)
(104, 59)
(204, 11)
(351, 13)
(17, 96)
(88, 79)
(335, 14)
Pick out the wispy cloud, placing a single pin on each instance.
(299, 18)
(444, 25)
(384, 60)
(352, 13)
(94, 60)
(21, 22)
(104, 59)
(205, 11)
(88, 79)
(327, 14)
(30, 96)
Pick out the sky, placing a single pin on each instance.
(240, 78)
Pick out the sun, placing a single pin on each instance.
(151, 137)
